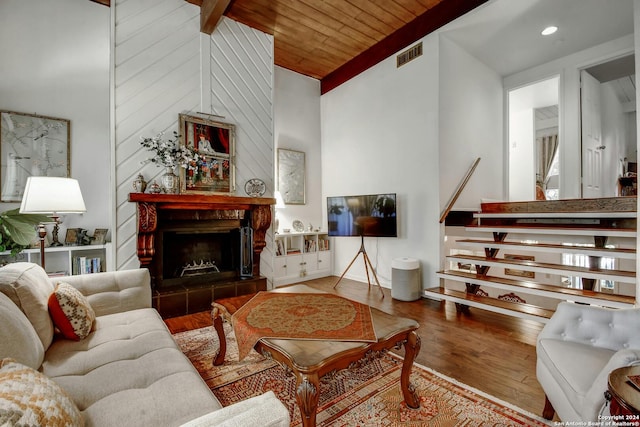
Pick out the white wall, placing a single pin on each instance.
(296, 111)
(471, 115)
(55, 62)
(415, 131)
(521, 155)
(380, 135)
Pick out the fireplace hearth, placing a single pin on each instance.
(199, 248)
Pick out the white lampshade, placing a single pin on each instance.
(49, 195)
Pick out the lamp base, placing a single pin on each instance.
(42, 234)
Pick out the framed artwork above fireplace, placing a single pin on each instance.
(215, 143)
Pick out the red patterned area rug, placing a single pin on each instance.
(367, 396)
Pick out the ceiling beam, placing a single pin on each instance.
(434, 18)
(210, 14)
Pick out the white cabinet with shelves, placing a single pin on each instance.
(66, 260)
(301, 256)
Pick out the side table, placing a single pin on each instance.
(624, 397)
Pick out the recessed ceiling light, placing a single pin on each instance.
(549, 30)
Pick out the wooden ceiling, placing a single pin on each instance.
(334, 40)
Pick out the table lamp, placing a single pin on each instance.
(51, 196)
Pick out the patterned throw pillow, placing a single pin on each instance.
(28, 398)
(71, 312)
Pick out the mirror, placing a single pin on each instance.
(291, 176)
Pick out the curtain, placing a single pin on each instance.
(547, 147)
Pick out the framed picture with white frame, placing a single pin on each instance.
(291, 176)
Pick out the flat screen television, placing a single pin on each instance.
(372, 215)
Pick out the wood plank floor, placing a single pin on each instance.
(491, 352)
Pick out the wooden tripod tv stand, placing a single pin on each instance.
(367, 265)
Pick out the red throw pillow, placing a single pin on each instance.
(71, 312)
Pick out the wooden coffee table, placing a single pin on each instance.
(309, 360)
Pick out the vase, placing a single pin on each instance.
(139, 184)
(170, 182)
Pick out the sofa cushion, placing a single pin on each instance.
(71, 312)
(129, 365)
(18, 339)
(29, 287)
(114, 291)
(29, 398)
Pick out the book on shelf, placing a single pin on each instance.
(310, 246)
(87, 265)
(323, 244)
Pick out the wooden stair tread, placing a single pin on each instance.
(535, 265)
(627, 253)
(555, 215)
(607, 204)
(529, 309)
(526, 285)
(566, 229)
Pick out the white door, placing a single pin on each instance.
(592, 155)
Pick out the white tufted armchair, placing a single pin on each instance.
(577, 350)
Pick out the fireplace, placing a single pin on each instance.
(199, 248)
(199, 257)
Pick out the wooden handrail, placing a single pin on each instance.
(458, 191)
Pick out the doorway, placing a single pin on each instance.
(608, 128)
(534, 172)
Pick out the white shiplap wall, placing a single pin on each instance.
(241, 79)
(165, 66)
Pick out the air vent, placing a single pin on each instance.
(409, 54)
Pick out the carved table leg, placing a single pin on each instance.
(217, 319)
(411, 349)
(307, 396)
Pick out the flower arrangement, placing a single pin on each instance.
(200, 168)
(169, 153)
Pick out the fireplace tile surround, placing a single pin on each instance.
(203, 220)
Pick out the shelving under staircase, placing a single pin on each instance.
(522, 258)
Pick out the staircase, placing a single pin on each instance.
(522, 258)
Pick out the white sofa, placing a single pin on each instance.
(128, 371)
(576, 351)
